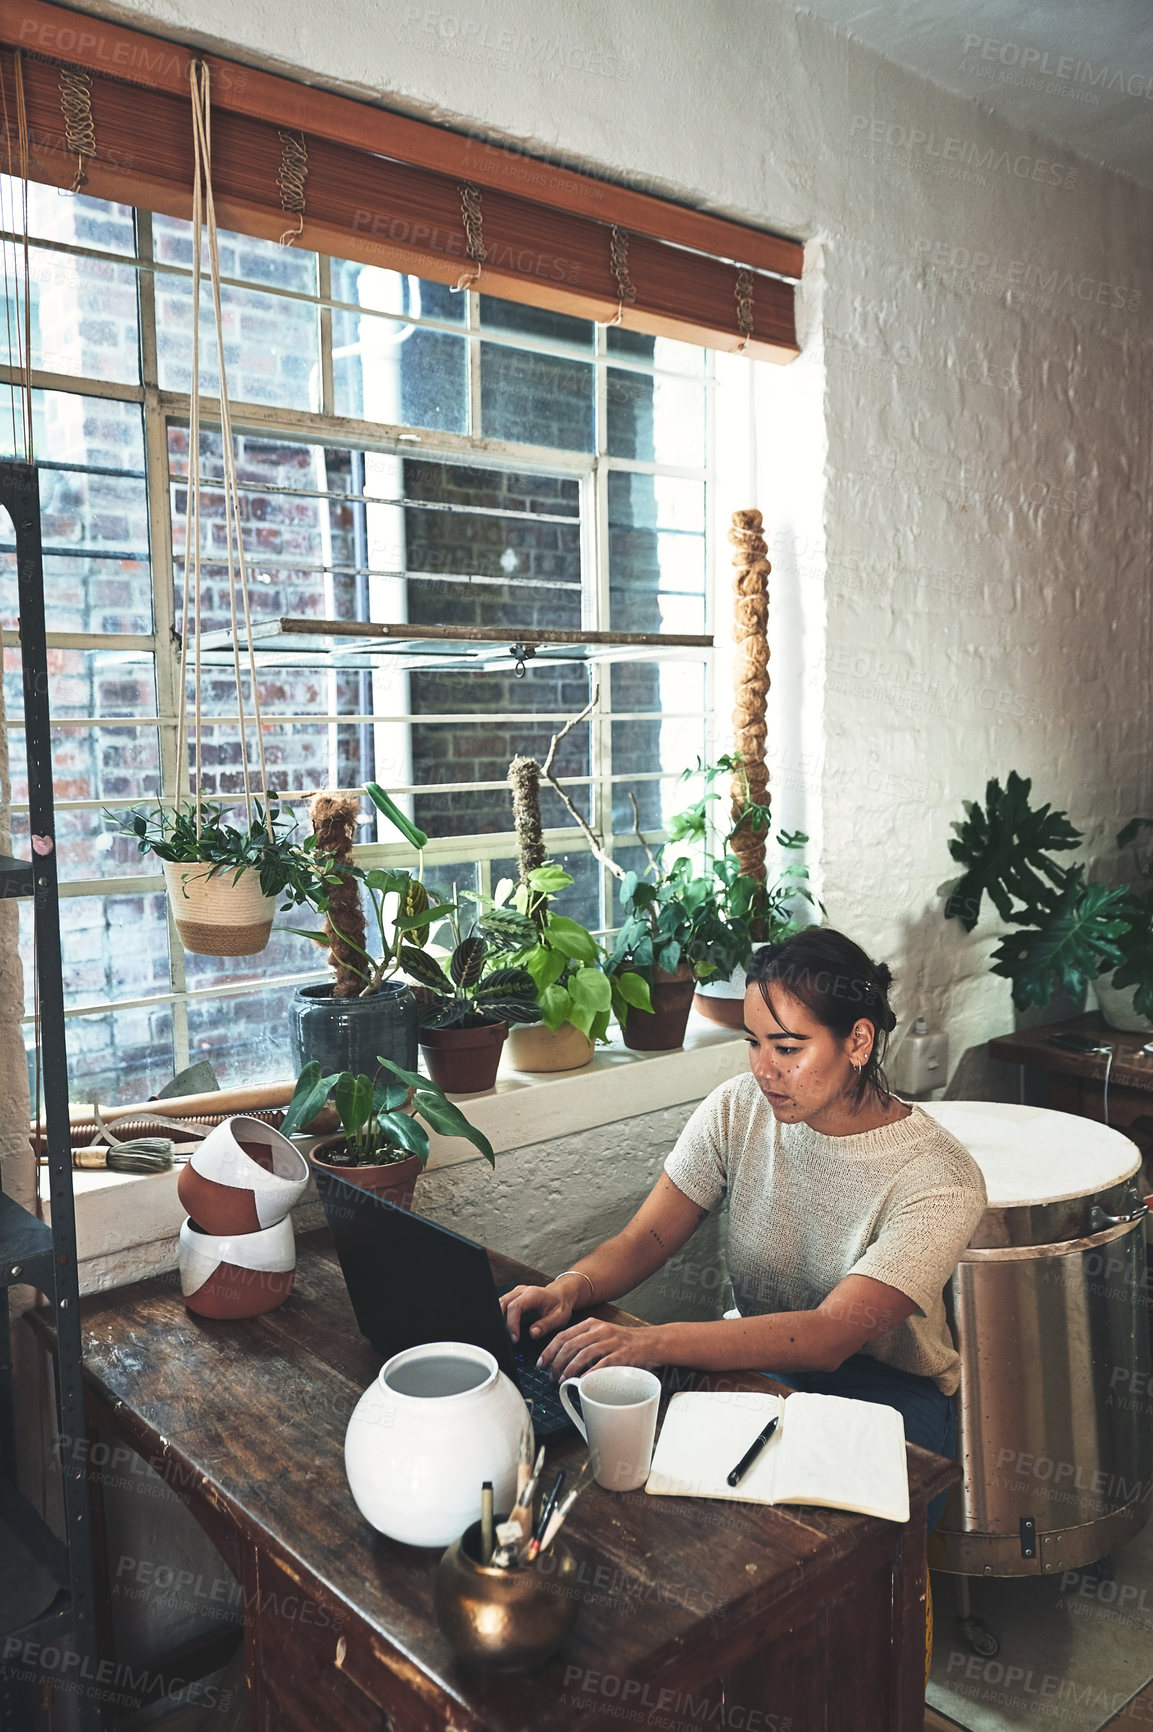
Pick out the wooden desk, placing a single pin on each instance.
(804, 1619)
(1072, 1082)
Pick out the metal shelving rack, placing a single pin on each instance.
(32, 1558)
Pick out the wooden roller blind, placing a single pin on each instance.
(387, 190)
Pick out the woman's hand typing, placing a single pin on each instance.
(552, 1306)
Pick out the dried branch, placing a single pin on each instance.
(594, 840)
(653, 862)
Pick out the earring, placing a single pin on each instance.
(858, 1068)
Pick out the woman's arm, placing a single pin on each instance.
(663, 1223)
(858, 1310)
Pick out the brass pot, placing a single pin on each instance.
(534, 1046)
(505, 1620)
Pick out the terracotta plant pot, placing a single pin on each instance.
(463, 1061)
(393, 1180)
(244, 1176)
(214, 916)
(663, 1028)
(230, 1275)
(533, 1046)
(728, 1012)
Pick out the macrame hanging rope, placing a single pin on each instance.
(472, 217)
(743, 294)
(619, 263)
(290, 179)
(750, 682)
(79, 124)
(204, 222)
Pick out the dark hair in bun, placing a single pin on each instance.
(839, 984)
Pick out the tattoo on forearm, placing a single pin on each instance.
(655, 1235)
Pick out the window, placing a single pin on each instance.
(404, 452)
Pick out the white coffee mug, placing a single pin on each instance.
(617, 1418)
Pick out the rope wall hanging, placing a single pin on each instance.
(743, 294)
(290, 179)
(619, 265)
(216, 914)
(79, 124)
(472, 218)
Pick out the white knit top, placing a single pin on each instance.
(898, 1203)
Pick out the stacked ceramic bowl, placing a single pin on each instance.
(237, 1254)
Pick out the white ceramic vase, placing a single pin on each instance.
(438, 1421)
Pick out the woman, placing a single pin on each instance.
(848, 1211)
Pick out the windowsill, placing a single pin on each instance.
(126, 1223)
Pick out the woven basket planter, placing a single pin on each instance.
(214, 916)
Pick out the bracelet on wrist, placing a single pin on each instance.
(584, 1277)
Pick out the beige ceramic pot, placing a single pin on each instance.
(214, 916)
(533, 1046)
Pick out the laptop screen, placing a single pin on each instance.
(411, 1281)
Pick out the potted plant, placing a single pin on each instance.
(574, 995)
(380, 1144)
(223, 880)
(366, 1008)
(1068, 931)
(748, 907)
(465, 1007)
(1126, 996)
(654, 948)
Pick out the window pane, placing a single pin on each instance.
(101, 585)
(85, 430)
(656, 553)
(83, 314)
(113, 763)
(116, 1057)
(656, 351)
(538, 322)
(536, 399)
(392, 291)
(391, 369)
(244, 1036)
(271, 346)
(657, 802)
(112, 946)
(79, 221)
(656, 418)
(242, 256)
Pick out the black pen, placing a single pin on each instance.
(752, 1453)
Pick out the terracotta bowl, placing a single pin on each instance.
(238, 1274)
(244, 1176)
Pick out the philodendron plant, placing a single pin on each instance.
(565, 960)
(379, 1114)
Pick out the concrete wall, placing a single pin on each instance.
(964, 590)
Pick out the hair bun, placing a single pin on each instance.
(883, 977)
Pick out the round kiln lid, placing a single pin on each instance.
(1032, 1155)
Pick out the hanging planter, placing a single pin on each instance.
(223, 879)
(216, 915)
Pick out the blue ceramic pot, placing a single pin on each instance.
(354, 1033)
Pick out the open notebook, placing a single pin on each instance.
(826, 1450)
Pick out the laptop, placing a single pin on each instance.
(411, 1282)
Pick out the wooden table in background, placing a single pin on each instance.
(804, 1618)
(1072, 1082)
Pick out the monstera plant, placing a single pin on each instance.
(1068, 932)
